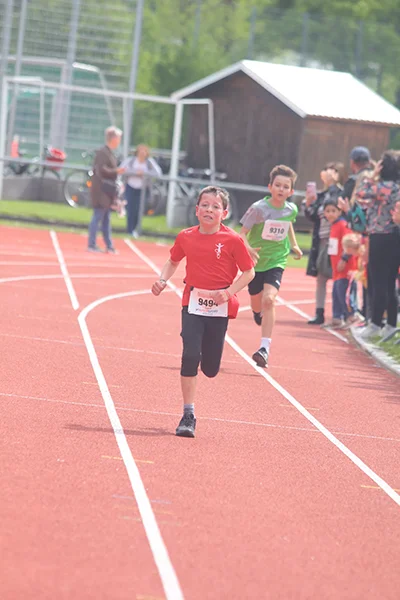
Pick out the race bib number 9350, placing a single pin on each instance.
(275, 231)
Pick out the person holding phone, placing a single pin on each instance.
(318, 260)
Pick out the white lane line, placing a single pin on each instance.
(160, 553)
(202, 417)
(308, 317)
(64, 271)
(78, 276)
(328, 434)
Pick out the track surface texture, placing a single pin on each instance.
(290, 490)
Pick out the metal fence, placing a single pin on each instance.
(157, 47)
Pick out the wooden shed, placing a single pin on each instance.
(268, 113)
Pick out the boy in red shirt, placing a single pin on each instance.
(342, 267)
(214, 253)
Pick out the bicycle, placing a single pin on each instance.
(50, 154)
(77, 184)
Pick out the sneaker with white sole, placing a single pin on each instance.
(334, 324)
(187, 426)
(261, 358)
(370, 331)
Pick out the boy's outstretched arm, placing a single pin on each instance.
(293, 243)
(252, 251)
(168, 270)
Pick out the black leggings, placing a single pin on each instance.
(383, 266)
(203, 341)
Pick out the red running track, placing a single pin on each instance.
(289, 491)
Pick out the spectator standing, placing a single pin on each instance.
(360, 161)
(318, 263)
(137, 167)
(103, 189)
(379, 196)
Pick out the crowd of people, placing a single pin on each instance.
(356, 242)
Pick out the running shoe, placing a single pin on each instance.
(257, 316)
(94, 249)
(187, 426)
(261, 358)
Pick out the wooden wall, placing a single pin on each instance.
(325, 140)
(253, 130)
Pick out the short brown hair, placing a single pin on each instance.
(216, 191)
(285, 172)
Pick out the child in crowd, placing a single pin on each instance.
(353, 246)
(214, 253)
(343, 266)
(267, 230)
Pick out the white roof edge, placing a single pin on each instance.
(272, 91)
(206, 81)
(218, 75)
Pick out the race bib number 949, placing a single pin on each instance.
(275, 231)
(201, 303)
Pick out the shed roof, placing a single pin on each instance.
(310, 92)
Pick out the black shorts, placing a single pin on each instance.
(203, 342)
(271, 276)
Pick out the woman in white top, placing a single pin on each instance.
(136, 167)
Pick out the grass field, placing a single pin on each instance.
(63, 217)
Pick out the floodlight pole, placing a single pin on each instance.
(63, 105)
(17, 70)
(133, 75)
(6, 43)
(3, 130)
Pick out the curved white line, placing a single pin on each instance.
(160, 553)
(346, 451)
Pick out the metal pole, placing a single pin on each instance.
(41, 125)
(252, 32)
(172, 217)
(359, 50)
(197, 19)
(6, 42)
(17, 71)
(211, 137)
(3, 130)
(133, 74)
(63, 108)
(304, 39)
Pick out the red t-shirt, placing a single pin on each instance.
(212, 261)
(335, 249)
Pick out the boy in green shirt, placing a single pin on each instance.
(267, 230)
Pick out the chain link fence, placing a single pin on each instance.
(95, 43)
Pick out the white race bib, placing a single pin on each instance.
(201, 303)
(333, 247)
(275, 231)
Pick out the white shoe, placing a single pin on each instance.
(135, 235)
(370, 331)
(387, 330)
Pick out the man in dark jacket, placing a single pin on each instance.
(105, 172)
(360, 160)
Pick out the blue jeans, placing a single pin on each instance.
(101, 216)
(340, 310)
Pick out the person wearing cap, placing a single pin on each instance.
(360, 159)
